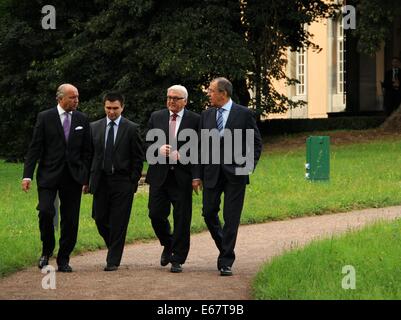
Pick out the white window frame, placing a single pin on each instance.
(341, 72)
(301, 72)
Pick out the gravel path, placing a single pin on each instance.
(141, 276)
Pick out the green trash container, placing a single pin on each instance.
(317, 158)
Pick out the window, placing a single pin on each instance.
(340, 59)
(300, 67)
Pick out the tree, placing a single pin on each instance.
(141, 48)
(191, 42)
(271, 28)
(375, 19)
(24, 46)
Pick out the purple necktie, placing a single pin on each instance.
(66, 126)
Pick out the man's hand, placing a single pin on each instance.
(196, 185)
(26, 185)
(85, 189)
(175, 155)
(165, 150)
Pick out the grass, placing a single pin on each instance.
(362, 175)
(316, 271)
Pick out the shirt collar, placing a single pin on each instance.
(61, 110)
(228, 105)
(116, 122)
(180, 114)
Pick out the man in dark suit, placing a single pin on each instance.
(391, 85)
(171, 182)
(116, 169)
(228, 176)
(61, 144)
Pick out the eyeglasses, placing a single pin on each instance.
(175, 99)
(213, 90)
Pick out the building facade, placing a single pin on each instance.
(338, 80)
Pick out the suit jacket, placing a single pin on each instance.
(127, 153)
(48, 146)
(184, 173)
(240, 117)
(388, 79)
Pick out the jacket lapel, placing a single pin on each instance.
(102, 132)
(56, 120)
(183, 123)
(231, 116)
(120, 132)
(165, 125)
(214, 117)
(73, 125)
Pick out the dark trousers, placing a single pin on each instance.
(70, 200)
(112, 204)
(392, 100)
(225, 237)
(160, 200)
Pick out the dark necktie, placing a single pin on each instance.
(108, 153)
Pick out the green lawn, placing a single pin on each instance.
(362, 175)
(316, 271)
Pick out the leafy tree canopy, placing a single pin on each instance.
(141, 48)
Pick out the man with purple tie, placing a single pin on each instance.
(61, 145)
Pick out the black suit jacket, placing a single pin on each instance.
(127, 153)
(184, 173)
(240, 117)
(48, 146)
(388, 79)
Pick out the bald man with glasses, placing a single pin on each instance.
(171, 182)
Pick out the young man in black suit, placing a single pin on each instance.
(391, 85)
(171, 181)
(61, 145)
(116, 169)
(226, 176)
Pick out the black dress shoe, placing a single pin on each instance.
(64, 268)
(226, 271)
(111, 268)
(176, 267)
(166, 256)
(43, 261)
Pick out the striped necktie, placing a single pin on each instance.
(220, 119)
